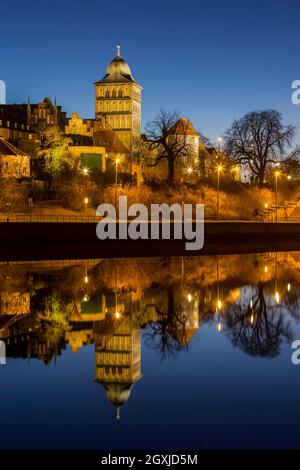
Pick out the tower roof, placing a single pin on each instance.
(118, 70)
(183, 127)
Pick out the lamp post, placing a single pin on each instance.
(276, 193)
(219, 169)
(116, 180)
(85, 172)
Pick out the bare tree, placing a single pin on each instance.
(165, 142)
(260, 139)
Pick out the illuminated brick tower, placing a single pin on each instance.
(118, 99)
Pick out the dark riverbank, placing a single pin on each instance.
(22, 241)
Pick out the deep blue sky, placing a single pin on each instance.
(212, 61)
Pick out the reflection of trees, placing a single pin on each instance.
(258, 330)
(167, 334)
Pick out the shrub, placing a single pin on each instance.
(13, 195)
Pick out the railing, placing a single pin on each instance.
(95, 219)
(51, 218)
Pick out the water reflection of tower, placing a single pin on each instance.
(118, 361)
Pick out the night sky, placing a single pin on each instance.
(212, 61)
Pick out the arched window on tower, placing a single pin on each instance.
(113, 94)
(107, 93)
(120, 106)
(120, 93)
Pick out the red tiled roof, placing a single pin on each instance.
(105, 136)
(10, 150)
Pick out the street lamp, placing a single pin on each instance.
(277, 173)
(219, 169)
(116, 180)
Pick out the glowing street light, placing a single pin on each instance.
(189, 297)
(219, 169)
(289, 177)
(266, 268)
(219, 143)
(289, 287)
(277, 297)
(219, 304)
(117, 315)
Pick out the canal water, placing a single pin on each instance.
(157, 353)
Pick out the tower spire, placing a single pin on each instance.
(118, 50)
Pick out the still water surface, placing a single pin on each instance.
(178, 353)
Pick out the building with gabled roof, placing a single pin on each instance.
(14, 163)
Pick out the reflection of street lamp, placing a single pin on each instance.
(276, 294)
(277, 173)
(86, 201)
(189, 171)
(219, 169)
(117, 162)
